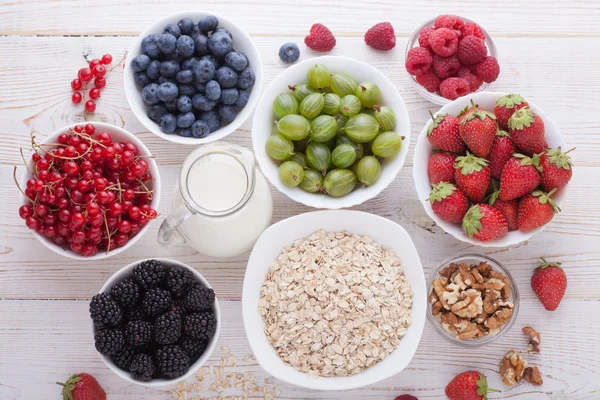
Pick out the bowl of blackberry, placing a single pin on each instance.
(155, 322)
(193, 77)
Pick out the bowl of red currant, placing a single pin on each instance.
(89, 190)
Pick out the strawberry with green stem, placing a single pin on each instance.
(478, 129)
(472, 176)
(556, 169)
(506, 106)
(443, 133)
(549, 283)
(508, 208)
(527, 131)
(448, 202)
(470, 385)
(501, 151)
(520, 176)
(440, 167)
(483, 222)
(82, 387)
(536, 209)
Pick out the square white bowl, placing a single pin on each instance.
(268, 247)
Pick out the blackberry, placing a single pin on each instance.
(156, 301)
(123, 358)
(193, 348)
(105, 311)
(172, 361)
(109, 341)
(138, 333)
(127, 293)
(136, 314)
(142, 367)
(179, 281)
(201, 326)
(149, 273)
(167, 328)
(199, 299)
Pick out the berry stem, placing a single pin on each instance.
(19, 186)
(108, 233)
(25, 162)
(119, 63)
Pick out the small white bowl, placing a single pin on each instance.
(241, 42)
(423, 150)
(361, 72)
(126, 272)
(118, 135)
(268, 247)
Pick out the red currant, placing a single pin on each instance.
(100, 184)
(38, 187)
(96, 220)
(41, 210)
(93, 208)
(50, 231)
(132, 148)
(121, 239)
(112, 222)
(71, 168)
(134, 212)
(78, 128)
(105, 138)
(127, 157)
(152, 214)
(99, 71)
(77, 196)
(90, 106)
(64, 215)
(106, 59)
(103, 197)
(100, 83)
(93, 63)
(116, 209)
(63, 138)
(85, 74)
(77, 220)
(77, 247)
(94, 93)
(60, 240)
(76, 84)
(108, 152)
(89, 129)
(124, 226)
(89, 250)
(26, 211)
(76, 98)
(43, 175)
(32, 223)
(79, 236)
(42, 165)
(135, 228)
(63, 203)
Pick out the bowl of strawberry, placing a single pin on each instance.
(89, 190)
(491, 169)
(449, 57)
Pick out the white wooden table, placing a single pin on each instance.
(549, 51)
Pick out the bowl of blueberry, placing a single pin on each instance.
(155, 322)
(193, 77)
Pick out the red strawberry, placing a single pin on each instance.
(448, 202)
(549, 283)
(483, 222)
(82, 387)
(406, 397)
(502, 150)
(381, 36)
(535, 210)
(464, 113)
(472, 176)
(520, 176)
(470, 385)
(506, 106)
(509, 209)
(527, 131)
(478, 129)
(440, 167)
(443, 133)
(556, 169)
(320, 38)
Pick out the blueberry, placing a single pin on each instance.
(186, 25)
(200, 87)
(185, 120)
(195, 32)
(212, 60)
(289, 53)
(185, 76)
(208, 23)
(156, 111)
(224, 30)
(229, 96)
(201, 44)
(140, 63)
(220, 44)
(150, 46)
(187, 90)
(169, 69)
(236, 61)
(242, 99)
(172, 106)
(184, 104)
(150, 94)
(153, 70)
(200, 129)
(172, 29)
(212, 120)
(185, 46)
(141, 79)
(167, 91)
(172, 56)
(189, 63)
(164, 79)
(168, 123)
(201, 103)
(246, 79)
(226, 113)
(185, 132)
(167, 43)
(204, 71)
(226, 77)
(212, 90)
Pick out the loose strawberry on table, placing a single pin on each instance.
(536, 210)
(448, 202)
(470, 385)
(527, 131)
(556, 169)
(506, 106)
(472, 176)
(82, 386)
(440, 167)
(520, 176)
(501, 151)
(483, 222)
(549, 283)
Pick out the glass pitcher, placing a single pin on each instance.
(222, 202)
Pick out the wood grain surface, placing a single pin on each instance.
(549, 51)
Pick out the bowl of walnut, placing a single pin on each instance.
(473, 300)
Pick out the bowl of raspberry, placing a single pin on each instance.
(89, 191)
(449, 57)
(193, 77)
(155, 322)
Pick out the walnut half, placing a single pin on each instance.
(533, 376)
(534, 340)
(512, 368)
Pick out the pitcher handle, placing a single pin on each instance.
(168, 236)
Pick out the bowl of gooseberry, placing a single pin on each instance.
(89, 191)
(331, 132)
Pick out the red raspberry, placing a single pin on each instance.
(429, 80)
(381, 36)
(471, 50)
(418, 61)
(443, 42)
(471, 28)
(474, 82)
(449, 21)
(487, 70)
(320, 38)
(453, 88)
(424, 37)
(445, 67)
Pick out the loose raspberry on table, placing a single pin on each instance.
(453, 88)
(474, 82)
(424, 37)
(381, 36)
(445, 67)
(429, 80)
(449, 21)
(471, 28)
(471, 50)
(487, 70)
(444, 42)
(418, 61)
(320, 38)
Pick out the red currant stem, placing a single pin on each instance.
(19, 186)
(120, 191)
(108, 233)
(39, 146)
(25, 162)
(88, 138)
(118, 64)
(148, 216)
(150, 156)
(146, 187)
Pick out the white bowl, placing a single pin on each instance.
(126, 272)
(268, 247)
(241, 42)
(423, 150)
(118, 135)
(361, 72)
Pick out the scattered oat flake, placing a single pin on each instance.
(225, 350)
(248, 358)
